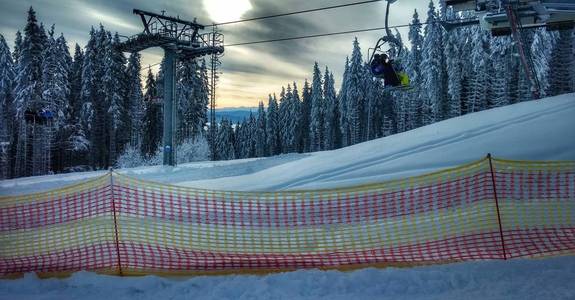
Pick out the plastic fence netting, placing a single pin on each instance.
(537, 205)
(117, 224)
(64, 230)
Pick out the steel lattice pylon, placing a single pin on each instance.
(180, 40)
(216, 38)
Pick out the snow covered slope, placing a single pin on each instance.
(536, 130)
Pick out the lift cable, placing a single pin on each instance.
(309, 36)
(302, 37)
(297, 12)
(327, 34)
(316, 36)
(148, 67)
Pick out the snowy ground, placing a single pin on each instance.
(518, 279)
(536, 130)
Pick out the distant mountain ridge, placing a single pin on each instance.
(234, 114)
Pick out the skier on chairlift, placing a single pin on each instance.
(381, 67)
(40, 117)
(384, 67)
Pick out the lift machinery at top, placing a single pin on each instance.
(499, 16)
(510, 17)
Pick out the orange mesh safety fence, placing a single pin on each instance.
(489, 209)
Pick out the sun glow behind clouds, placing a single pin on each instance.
(226, 10)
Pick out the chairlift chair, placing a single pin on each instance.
(492, 15)
(381, 60)
(40, 117)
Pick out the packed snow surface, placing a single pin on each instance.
(536, 130)
(516, 279)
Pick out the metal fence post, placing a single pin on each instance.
(497, 204)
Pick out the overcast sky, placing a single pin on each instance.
(250, 72)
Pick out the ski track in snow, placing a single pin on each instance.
(539, 130)
(166, 174)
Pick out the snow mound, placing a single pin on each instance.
(516, 279)
(535, 130)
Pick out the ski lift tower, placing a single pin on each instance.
(181, 40)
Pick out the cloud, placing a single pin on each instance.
(109, 20)
(251, 72)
